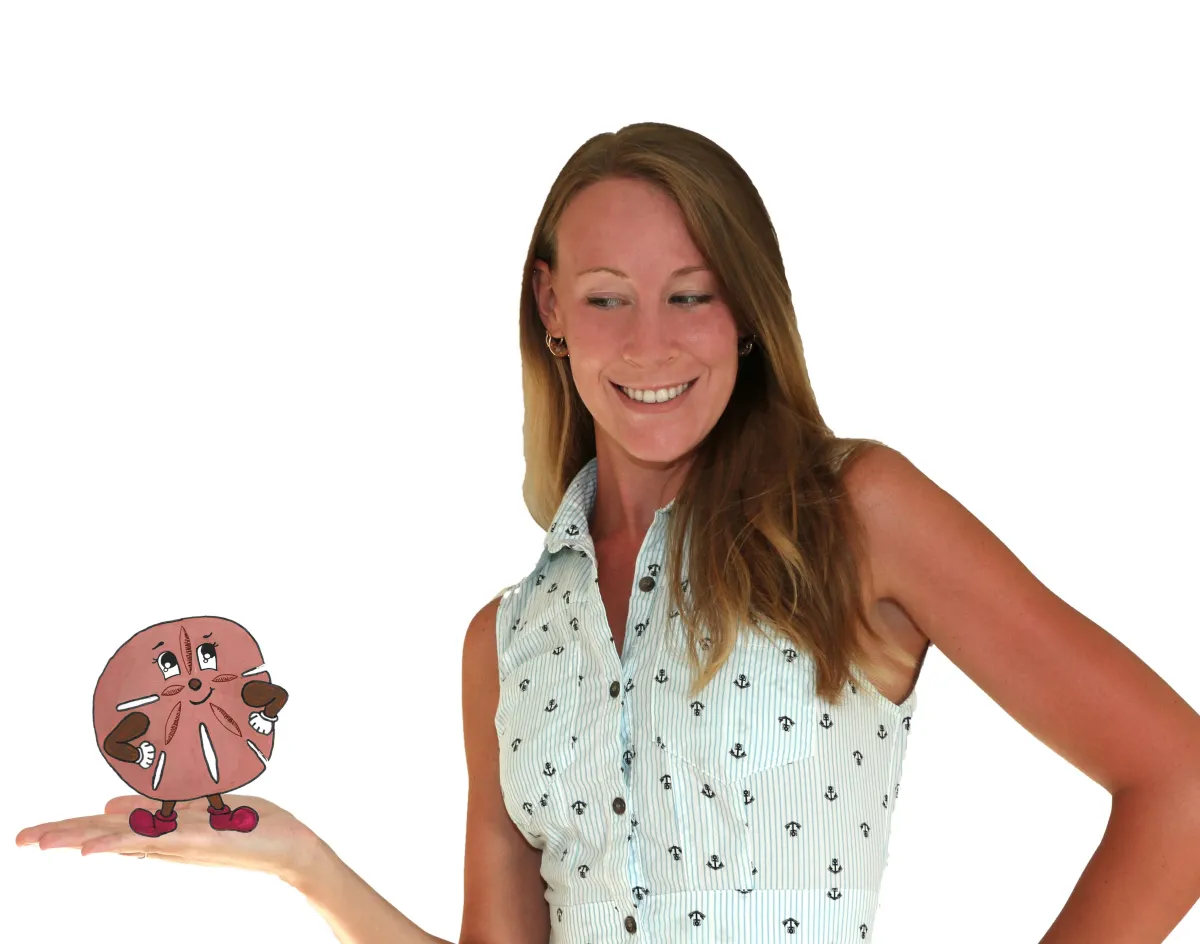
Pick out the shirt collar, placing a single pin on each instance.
(570, 525)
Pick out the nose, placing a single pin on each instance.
(194, 684)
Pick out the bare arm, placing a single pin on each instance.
(353, 909)
(504, 900)
(504, 895)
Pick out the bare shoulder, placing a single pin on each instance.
(875, 473)
(481, 692)
(890, 497)
(875, 479)
(479, 646)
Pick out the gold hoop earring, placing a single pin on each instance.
(556, 345)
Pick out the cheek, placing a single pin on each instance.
(592, 386)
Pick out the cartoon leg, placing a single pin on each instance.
(145, 823)
(220, 816)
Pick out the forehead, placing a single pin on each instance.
(631, 226)
(171, 637)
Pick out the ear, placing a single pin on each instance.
(543, 293)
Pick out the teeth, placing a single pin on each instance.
(655, 396)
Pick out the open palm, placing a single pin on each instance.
(280, 844)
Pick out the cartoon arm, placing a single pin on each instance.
(267, 696)
(117, 745)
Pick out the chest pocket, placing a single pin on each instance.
(758, 712)
(536, 718)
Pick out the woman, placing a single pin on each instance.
(688, 721)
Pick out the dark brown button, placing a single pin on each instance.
(619, 805)
(646, 583)
(630, 924)
(614, 689)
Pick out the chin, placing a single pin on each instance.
(649, 451)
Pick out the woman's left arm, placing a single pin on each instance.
(1066, 680)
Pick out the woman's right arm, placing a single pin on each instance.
(503, 892)
(353, 909)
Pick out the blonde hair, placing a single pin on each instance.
(774, 539)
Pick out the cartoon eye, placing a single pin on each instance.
(206, 655)
(168, 663)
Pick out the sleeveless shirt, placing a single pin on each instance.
(754, 812)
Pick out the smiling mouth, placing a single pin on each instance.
(687, 385)
(204, 699)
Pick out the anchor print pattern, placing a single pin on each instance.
(752, 811)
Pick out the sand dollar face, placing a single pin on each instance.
(186, 676)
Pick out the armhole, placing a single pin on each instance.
(501, 617)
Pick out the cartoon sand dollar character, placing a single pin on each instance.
(185, 709)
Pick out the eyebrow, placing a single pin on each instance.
(684, 271)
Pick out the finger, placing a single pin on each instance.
(162, 856)
(135, 847)
(190, 846)
(121, 806)
(32, 834)
(125, 843)
(121, 839)
(82, 825)
(165, 857)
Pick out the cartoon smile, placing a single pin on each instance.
(204, 699)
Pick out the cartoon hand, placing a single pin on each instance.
(262, 723)
(145, 755)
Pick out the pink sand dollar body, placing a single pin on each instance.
(202, 737)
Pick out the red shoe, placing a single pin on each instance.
(145, 823)
(243, 819)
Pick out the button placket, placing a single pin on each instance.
(640, 614)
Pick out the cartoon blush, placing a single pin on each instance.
(186, 709)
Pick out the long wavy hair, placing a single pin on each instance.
(773, 537)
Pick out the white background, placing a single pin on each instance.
(259, 274)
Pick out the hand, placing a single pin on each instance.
(261, 723)
(145, 755)
(279, 845)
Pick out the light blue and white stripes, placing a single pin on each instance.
(754, 812)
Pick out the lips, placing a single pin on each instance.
(204, 699)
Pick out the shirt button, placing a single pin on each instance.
(619, 805)
(630, 924)
(614, 689)
(646, 583)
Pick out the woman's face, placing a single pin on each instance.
(649, 328)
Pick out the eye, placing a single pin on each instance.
(597, 301)
(206, 655)
(168, 663)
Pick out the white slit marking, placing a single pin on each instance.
(137, 702)
(158, 769)
(254, 747)
(255, 671)
(210, 755)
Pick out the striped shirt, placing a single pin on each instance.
(755, 812)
